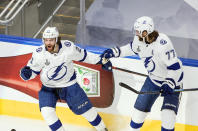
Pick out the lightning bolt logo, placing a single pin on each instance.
(146, 64)
(57, 72)
(146, 61)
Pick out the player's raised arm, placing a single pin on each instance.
(82, 55)
(126, 50)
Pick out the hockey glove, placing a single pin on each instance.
(26, 73)
(166, 90)
(107, 54)
(107, 66)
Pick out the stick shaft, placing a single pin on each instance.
(154, 92)
(183, 90)
(128, 71)
(137, 92)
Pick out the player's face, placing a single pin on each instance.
(50, 43)
(144, 34)
(143, 37)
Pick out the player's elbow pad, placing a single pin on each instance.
(26, 73)
(116, 51)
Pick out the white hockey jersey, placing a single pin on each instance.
(57, 70)
(159, 57)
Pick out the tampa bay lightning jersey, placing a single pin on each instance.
(57, 69)
(159, 58)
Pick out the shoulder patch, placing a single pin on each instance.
(67, 44)
(39, 49)
(163, 42)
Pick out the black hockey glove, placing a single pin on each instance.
(107, 66)
(26, 73)
(107, 54)
(166, 89)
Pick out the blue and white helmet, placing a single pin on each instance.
(51, 32)
(144, 23)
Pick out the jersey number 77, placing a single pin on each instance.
(170, 54)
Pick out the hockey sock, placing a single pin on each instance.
(164, 129)
(135, 125)
(168, 120)
(51, 118)
(94, 119)
(137, 119)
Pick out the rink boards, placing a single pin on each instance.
(116, 115)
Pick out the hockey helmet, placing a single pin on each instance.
(144, 23)
(51, 32)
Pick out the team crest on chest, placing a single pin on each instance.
(57, 72)
(149, 64)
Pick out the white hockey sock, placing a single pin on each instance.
(168, 119)
(137, 119)
(61, 129)
(51, 118)
(94, 119)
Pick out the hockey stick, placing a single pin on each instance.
(128, 71)
(153, 92)
(137, 92)
(104, 61)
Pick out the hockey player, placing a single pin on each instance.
(164, 72)
(53, 61)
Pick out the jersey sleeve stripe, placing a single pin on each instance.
(116, 51)
(73, 76)
(170, 80)
(131, 44)
(175, 66)
(181, 77)
(119, 51)
(160, 82)
(85, 55)
(36, 72)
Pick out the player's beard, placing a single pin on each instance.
(144, 39)
(50, 48)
